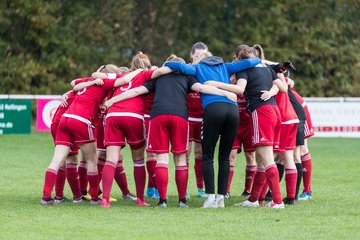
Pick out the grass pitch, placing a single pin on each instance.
(332, 214)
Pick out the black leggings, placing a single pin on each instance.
(220, 119)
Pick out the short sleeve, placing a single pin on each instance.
(150, 85)
(108, 83)
(147, 74)
(243, 74)
(273, 74)
(192, 81)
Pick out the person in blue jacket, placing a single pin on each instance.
(221, 118)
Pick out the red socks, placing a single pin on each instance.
(162, 178)
(264, 191)
(181, 179)
(50, 178)
(82, 170)
(198, 173)
(107, 179)
(120, 178)
(150, 166)
(290, 182)
(249, 177)
(140, 178)
(307, 171)
(73, 179)
(272, 177)
(100, 166)
(60, 182)
(93, 178)
(259, 181)
(231, 175)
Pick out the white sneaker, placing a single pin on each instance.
(247, 203)
(210, 202)
(182, 205)
(220, 201)
(275, 205)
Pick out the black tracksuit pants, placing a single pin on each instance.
(219, 119)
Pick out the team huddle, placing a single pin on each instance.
(248, 105)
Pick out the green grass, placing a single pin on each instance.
(332, 214)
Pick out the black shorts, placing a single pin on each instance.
(300, 135)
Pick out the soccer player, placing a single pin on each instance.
(221, 118)
(257, 86)
(169, 122)
(151, 190)
(76, 127)
(195, 112)
(67, 170)
(120, 174)
(305, 156)
(243, 142)
(125, 121)
(300, 135)
(286, 147)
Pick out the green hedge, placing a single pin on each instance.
(46, 44)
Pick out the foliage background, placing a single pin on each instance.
(45, 44)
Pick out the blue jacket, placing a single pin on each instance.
(213, 68)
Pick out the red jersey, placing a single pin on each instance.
(87, 101)
(136, 104)
(244, 114)
(194, 106)
(298, 97)
(61, 110)
(287, 112)
(148, 101)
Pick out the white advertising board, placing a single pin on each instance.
(335, 117)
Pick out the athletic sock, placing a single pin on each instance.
(162, 179)
(264, 190)
(49, 182)
(272, 178)
(107, 179)
(82, 170)
(140, 178)
(249, 177)
(60, 182)
(280, 168)
(259, 181)
(121, 180)
(299, 177)
(181, 179)
(231, 175)
(93, 178)
(199, 173)
(73, 179)
(150, 167)
(100, 166)
(290, 182)
(307, 171)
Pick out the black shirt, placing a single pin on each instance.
(170, 94)
(258, 78)
(300, 112)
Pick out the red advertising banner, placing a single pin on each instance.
(46, 109)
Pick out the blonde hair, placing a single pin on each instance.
(108, 68)
(258, 51)
(174, 58)
(140, 60)
(202, 56)
(123, 70)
